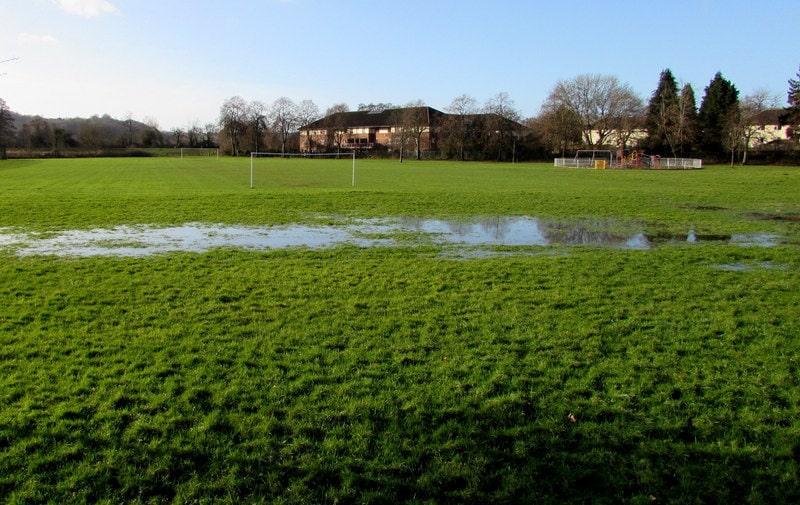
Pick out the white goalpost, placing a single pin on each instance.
(254, 155)
(191, 152)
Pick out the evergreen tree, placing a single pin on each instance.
(687, 128)
(792, 115)
(719, 105)
(663, 114)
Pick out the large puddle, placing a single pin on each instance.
(477, 235)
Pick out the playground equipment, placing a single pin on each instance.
(601, 159)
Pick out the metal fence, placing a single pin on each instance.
(677, 163)
(574, 162)
(648, 162)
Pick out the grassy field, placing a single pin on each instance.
(576, 374)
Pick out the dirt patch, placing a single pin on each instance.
(767, 216)
(691, 236)
(707, 207)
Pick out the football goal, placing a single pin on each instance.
(193, 152)
(322, 166)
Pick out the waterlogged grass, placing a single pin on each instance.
(84, 193)
(548, 375)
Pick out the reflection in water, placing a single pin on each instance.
(566, 233)
(495, 231)
(748, 267)
(528, 231)
(491, 231)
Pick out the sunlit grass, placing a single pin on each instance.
(58, 194)
(567, 374)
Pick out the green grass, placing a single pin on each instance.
(65, 194)
(558, 375)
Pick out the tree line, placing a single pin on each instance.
(468, 131)
(589, 110)
(35, 135)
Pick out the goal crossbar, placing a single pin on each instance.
(254, 155)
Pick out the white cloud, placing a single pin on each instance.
(87, 8)
(31, 38)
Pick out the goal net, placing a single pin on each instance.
(193, 152)
(303, 170)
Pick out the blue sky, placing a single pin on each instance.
(176, 61)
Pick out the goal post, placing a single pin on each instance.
(191, 152)
(339, 156)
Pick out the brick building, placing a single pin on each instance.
(416, 128)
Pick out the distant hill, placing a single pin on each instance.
(95, 131)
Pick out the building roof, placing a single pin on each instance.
(371, 119)
(768, 117)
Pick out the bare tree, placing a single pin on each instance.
(92, 134)
(415, 121)
(38, 134)
(307, 112)
(336, 126)
(400, 130)
(257, 113)
(209, 135)
(751, 106)
(233, 121)
(625, 130)
(457, 127)
(501, 127)
(559, 126)
(193, 133)
(152, 136)
(336, 108)
(129, 128)
(284, 119)
(177, 136)
(600, 101)
(376, 107)
(151, 122)
(732, 131)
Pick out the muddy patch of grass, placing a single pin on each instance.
(707, 207)
(778, 217)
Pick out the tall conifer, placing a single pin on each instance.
(792, 115)
(663, 114)
(721, 100)
(688, 120)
